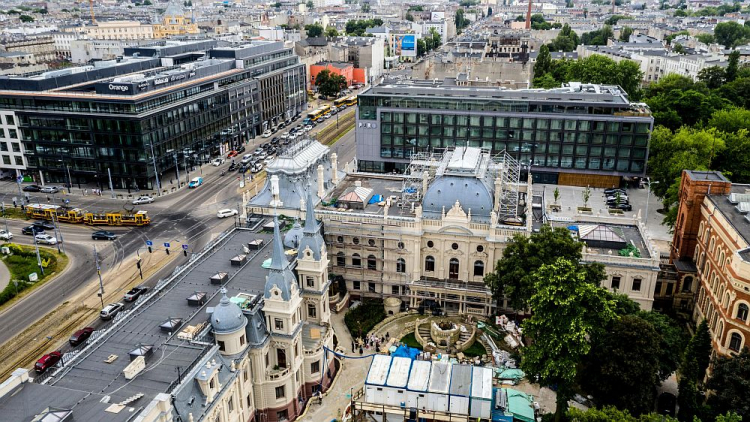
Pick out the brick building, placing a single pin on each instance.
(339, 68)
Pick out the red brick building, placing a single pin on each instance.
(339, 68)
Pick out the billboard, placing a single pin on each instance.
(405, 45)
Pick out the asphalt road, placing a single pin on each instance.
(186, 217)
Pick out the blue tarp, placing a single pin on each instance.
(410, 190)
(375, 199)
(406, 352)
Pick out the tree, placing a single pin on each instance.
(612, 414)
(409, 17)
(310, 5)
(679, 49)
(461, 21)
(733, 65)
(693, 367)
(147, 3)
(421, 47)
(436, 41)
(314, 30)
(586, 195)
(706, 38)
(598, 37)
(730, 33)
(626, 33)
(672, 339)
(366, 7)
(730, 120)
(524, 255)
(622, 368)
(712, 76)
(543, 62)
(566, 40)
(331, 32)
(489, 11)
(599, 69)
(567, 308)
(729, 384)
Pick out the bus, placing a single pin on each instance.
(351, 101)
(317, 114)
(341, 101)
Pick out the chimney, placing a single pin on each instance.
(528, 15)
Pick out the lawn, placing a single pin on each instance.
(411, 341)
(476, 349)
(23, 262)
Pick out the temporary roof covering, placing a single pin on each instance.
(419, 375)
(375, 199)
(511, 374)
(520, 405)
(440, 378)
(398, 375)
(378, 370)
(481, 383)
(406, 352)
(461, 380)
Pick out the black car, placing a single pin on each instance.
(244, 168)
(44, 225)
(623, 206)
(32, 230)
(103, 235)
(241, 149)
(134, 293)
(233, 167)
(32, 188)
(613, 191)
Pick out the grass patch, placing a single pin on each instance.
(23, 262)
(364, 317)
(476, 349)
(11, 212)
(411, 341)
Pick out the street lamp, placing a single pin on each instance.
(648, 197)
(156, 171)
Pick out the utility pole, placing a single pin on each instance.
(59, 233)
(38, 257)
(177, 168)
(111, 189)
(99, 273)
(187, 171)
(156, 171)
(6, 219)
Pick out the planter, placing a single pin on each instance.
(584, 210)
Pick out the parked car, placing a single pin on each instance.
(284, 135)
(133, 294)
(80, 336)
(143, 199)
(111, 310)
(44, 225)
(267, 134)
(308, 128)
(45, 239)
(247, 158)
(217, 162)
(612, 191)
(195, 182)
(241, 149)
(47, 361)
(226, 212)
(49, 189)
(261, 155)
(5, 235)
(623, 206)
(32, 188)
(32, 230)
(103, 235)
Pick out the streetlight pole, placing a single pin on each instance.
(38, 257)
(99, 272)
(59, 233)
(648, 198)
(156, 171)
(6, 220)
(177, 169)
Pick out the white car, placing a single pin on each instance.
(5, 235)
(268, 161)
(284, 135)
(45, 239)
(217, 162)
(308, 128)
(227, 212)
(267, 134)
(143, 199)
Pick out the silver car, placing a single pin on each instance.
(143, 199)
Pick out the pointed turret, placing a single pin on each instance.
(312, 238)
(311, 224)
(280, 276)
(278, 261)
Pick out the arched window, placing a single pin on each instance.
(478, 269)
(340, 259)
(372, 263)
(687, 284)
(453, 269)
(400, 265)
(356, 260)
(742, 311)
(725, 303)
(429, 264)
(721, 330)
(735, 342)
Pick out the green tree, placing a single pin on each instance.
(612, 20)
(612, 414)
(547, 82)
(314, 30)
(489, 11)
(730, 34)
(706, 38)
(421, 47)
(598, 37)
(460, 20)
(310, 5)
(672, 339)
(622, 368)
(543, 62)
(729, 384)
(147, 3)
(26, 18)
(567, 309)
(733, 65)
(712, 76)
(415, 9)
(679, 49)
(730, 120)
(332, 32)
(599, 69)
(625, 33)
(436, 41)
(366, 7)
(409, 17)
(566, 40)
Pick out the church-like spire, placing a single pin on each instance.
(311, 225)
(278, 260)
(280, 276)
(311, 238)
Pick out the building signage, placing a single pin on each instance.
(142, 85)
(406, 45)
(119, 88)
(161, 81)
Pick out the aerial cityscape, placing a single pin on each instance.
(375, 211)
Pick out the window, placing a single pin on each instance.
(670, 288)
(687, 284)
(315, 367)
(371, 287)
(372, 263)
(742, 312)
(212, 384)
(657, 289)
(310, 281)
(453, 269)
(401, 245)
(230, 404)
(356, 241)
(282, 415)
(221, 345)
(400, 265)
(636, 284)
(242, 340)
(340, 259)
(429, 264)
(454, 246)
(280, 392)
(479, 269)
(355, 285)
(356, 260)
(340, 239)
(395, 290)
(480, 248)
(312, 311)
(278, 324)
(735, 342)
(430, 244)
(12, 133)
(371, 242)
(9, 120)
(615, 282)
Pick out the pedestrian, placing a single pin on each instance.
(352, 346)
(15, 205)
(387, 336)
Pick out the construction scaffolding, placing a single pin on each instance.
(509, 174)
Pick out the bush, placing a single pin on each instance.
(364, 318)
(23, 262)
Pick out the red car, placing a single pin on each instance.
(47, 361)
(80, 336)
(232, 154)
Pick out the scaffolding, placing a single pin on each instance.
(509, 173)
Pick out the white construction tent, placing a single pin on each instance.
(416, 389)
(376, 378)
(395, 385)
(460, 389)
(481, 392)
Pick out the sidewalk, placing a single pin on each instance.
(4, 276)
(350, 377)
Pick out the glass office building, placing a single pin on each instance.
(582, 129)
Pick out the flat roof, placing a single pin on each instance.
(399, 373)
(481, 383)
(739, 221)
(440, 377)
(378, 373)
(419, 376)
